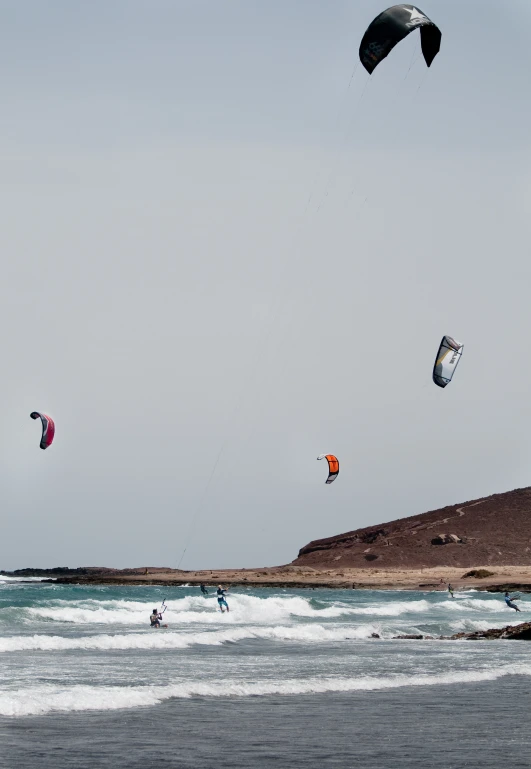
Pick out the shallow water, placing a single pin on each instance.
(288, 677)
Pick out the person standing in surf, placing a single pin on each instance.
(155, 618)
(221, 593)
(203, 589)
(509, 602)
(450, 590)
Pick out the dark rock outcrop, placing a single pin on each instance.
(479, 574)
(408, 637)
(508, 587)
(520, 632)
(84, 571)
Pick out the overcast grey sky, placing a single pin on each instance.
(165, 296)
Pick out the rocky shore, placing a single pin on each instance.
(521, 632)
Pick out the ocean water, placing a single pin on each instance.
(287, 679)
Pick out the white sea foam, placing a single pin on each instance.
(45, 699)
(253, 610)
(465, 605)
(474, 604)
(159, 639)
(395, 608)
(189, 609)
(5, 580)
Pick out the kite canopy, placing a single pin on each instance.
(449, 355)
(333, 466)
(48, 428)
(392, 26)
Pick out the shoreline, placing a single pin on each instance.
(496, 588)
(435, 579)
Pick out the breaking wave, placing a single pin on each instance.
(465, 605)
(249, 609)
(243, 609)
(170, 640)
(49, 698)
(5, 580)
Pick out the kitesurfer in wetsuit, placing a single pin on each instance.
(509, 602)
(221, 593)
(155, 618)
(203, 589)
(450, 590)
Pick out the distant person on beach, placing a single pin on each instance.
(155, 618)
(509, 602)
(450, 590)
(221, 593)
(203, 589)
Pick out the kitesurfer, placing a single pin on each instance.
(221, 593)
(509, 602)
(203, 589)
(450, 590)
(155, 618)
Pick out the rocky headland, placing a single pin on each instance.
(482, 543)
(490, 532)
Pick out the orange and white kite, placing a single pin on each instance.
(333, 466)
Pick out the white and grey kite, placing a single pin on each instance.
(448, 357)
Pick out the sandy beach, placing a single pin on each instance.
(437, 578)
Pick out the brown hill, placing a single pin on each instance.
(494, 530)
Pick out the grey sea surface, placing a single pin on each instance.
(287, 679)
